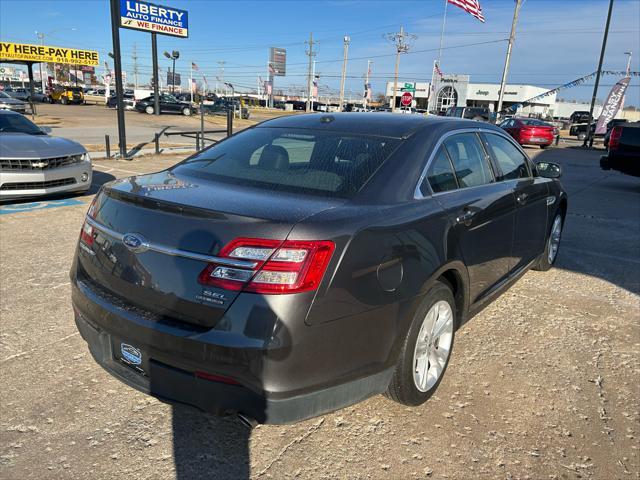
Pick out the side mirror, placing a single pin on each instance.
(549, 170)
(46, 130)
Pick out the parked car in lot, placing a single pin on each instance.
(66, 95)
(312, 261)
(19, 93)
(529, 131)
(579, 116)
(7, 102)
(481, 114)
(128, 100)
(168, 104)
(624, 149)
(222, 105)
(612, 123)
(580, 131)
(32, 163)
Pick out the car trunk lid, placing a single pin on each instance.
(180, 223)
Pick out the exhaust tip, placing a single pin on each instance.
(248, 422)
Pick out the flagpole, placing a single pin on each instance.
(437, 62)
(444, 20)
(191, 81)
(505, 71)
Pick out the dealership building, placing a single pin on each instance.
(458, 91)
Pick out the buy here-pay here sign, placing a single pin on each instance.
(47, 54)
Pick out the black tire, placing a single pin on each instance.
(149, 110)
(543, 264)
(186, 112)
(582, 136)
(543, 146)
(64, 100)
(402, 388)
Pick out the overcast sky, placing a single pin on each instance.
(557, 40)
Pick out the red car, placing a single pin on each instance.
(530, 131)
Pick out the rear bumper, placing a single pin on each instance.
(536, 140)
(273, 374)
(624, 163)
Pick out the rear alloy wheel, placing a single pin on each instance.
(425, 353)
(64, 100)
(149, 110)
(186, 111)
(548, 257)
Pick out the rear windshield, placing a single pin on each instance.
(324, 163)
(534, 122)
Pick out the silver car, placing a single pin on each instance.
(32, 163)
(7, 102)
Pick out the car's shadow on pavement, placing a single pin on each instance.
(600, 235)
(207, 446)
(98, 180)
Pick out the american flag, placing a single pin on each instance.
(437, 69)
(194, 66)
(469, 6)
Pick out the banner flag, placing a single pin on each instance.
(612, 105)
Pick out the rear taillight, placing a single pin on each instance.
(614, 138)
(289, 266)
(87, 234)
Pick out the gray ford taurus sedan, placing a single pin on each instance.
(311, 261)
(33, 163)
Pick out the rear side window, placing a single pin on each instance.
(468, 159)
(511, 161)
(440, 174)
(296, 160)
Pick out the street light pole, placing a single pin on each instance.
(589, 138)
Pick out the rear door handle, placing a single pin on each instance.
(465, 218)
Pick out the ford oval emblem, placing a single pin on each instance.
(135, 242)
(130, 354)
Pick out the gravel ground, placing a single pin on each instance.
(542, 384)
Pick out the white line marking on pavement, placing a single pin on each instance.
(116, 168)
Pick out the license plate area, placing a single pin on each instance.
(130, 355)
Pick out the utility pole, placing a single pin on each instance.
(589, 138)
(505, 71)
(315, 83)
(134, 58)
(345, 57)
(366, 84)
(221, 63)
(311, 54)
(41, 37)
(400, 42)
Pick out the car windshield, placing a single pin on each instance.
(334, 164)
(10, 123)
